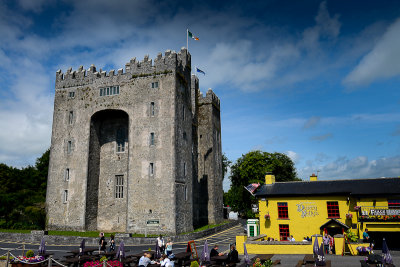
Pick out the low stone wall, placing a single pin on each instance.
(36, 237)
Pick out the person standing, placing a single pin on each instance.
(112, 243)
(168, 247)
(102, 242)
(326, 240)
(161, 244)
(366, 236)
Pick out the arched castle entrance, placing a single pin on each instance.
(106, 197)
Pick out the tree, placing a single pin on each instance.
(23, 195)
(251, 168)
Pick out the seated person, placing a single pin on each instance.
(233, 256)
(145, 260)
(214, 252)
(166, 262)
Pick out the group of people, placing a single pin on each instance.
(233, 255)
(164, 261)
(165, 247)
(103, 243)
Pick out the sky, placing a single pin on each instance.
(316, 80)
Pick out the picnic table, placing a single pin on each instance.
(86, 251)
(264, 257)
(76, 261)
(182, 258)
(220, 260)
(309, 261)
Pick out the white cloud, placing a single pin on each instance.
(293, 156)
(358, 167)
(381, 63)
(312, 122)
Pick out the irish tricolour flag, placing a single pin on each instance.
(190, 35)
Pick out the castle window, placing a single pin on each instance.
(284, 232)
(152, 139)
(151, 169)
(184, 169)
(119, 186)
(183, 112)
(152, 109)
(333, 209)
(65, 196)
(283, 210)
(120, 140)
(112, 90)
(154, 85)
(66, 175)
(186, 193)
(71, 94)
(184, 136)
(69, 147)
(71, 117)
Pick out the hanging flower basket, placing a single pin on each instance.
(266, 216)
(349, 216)
(357, 208)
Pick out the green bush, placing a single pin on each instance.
(30, 253)
(194, 264)
(104, 258)
(352, 236)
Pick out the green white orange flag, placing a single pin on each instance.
(190, 35)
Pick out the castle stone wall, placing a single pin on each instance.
(153, 108)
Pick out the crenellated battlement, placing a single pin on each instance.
(210, 98)
(170, 62)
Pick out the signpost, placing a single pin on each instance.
(151, 223)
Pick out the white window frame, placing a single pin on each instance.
(71, 94)
(154, 85)
(119, 186)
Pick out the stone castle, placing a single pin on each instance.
(135, 151)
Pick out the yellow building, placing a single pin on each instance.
(303, 209)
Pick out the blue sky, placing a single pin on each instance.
(317, 80)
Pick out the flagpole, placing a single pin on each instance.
(187, 39)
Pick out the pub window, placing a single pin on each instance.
(152, 139)
(283, 210)
(71, 94)
(69, 147)
(71, 117)
(119, 186)
(65, 196)
(394, 203)
(66, 175)
(154, 85)
(120, 140)
(152, 109)
(284, 232)
(151, 169)
(333, 209)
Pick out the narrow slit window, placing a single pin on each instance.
(186, 193)
(65, 196)
(152, 109)
(71, 117)
(66, 175)
(183, 112)
(184, 169)
(151, 169)
(152, 139)
(69, 147)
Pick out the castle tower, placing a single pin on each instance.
(122, 148)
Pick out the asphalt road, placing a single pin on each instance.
(223, 239)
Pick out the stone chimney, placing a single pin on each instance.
(313, 177)
(269, 178)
